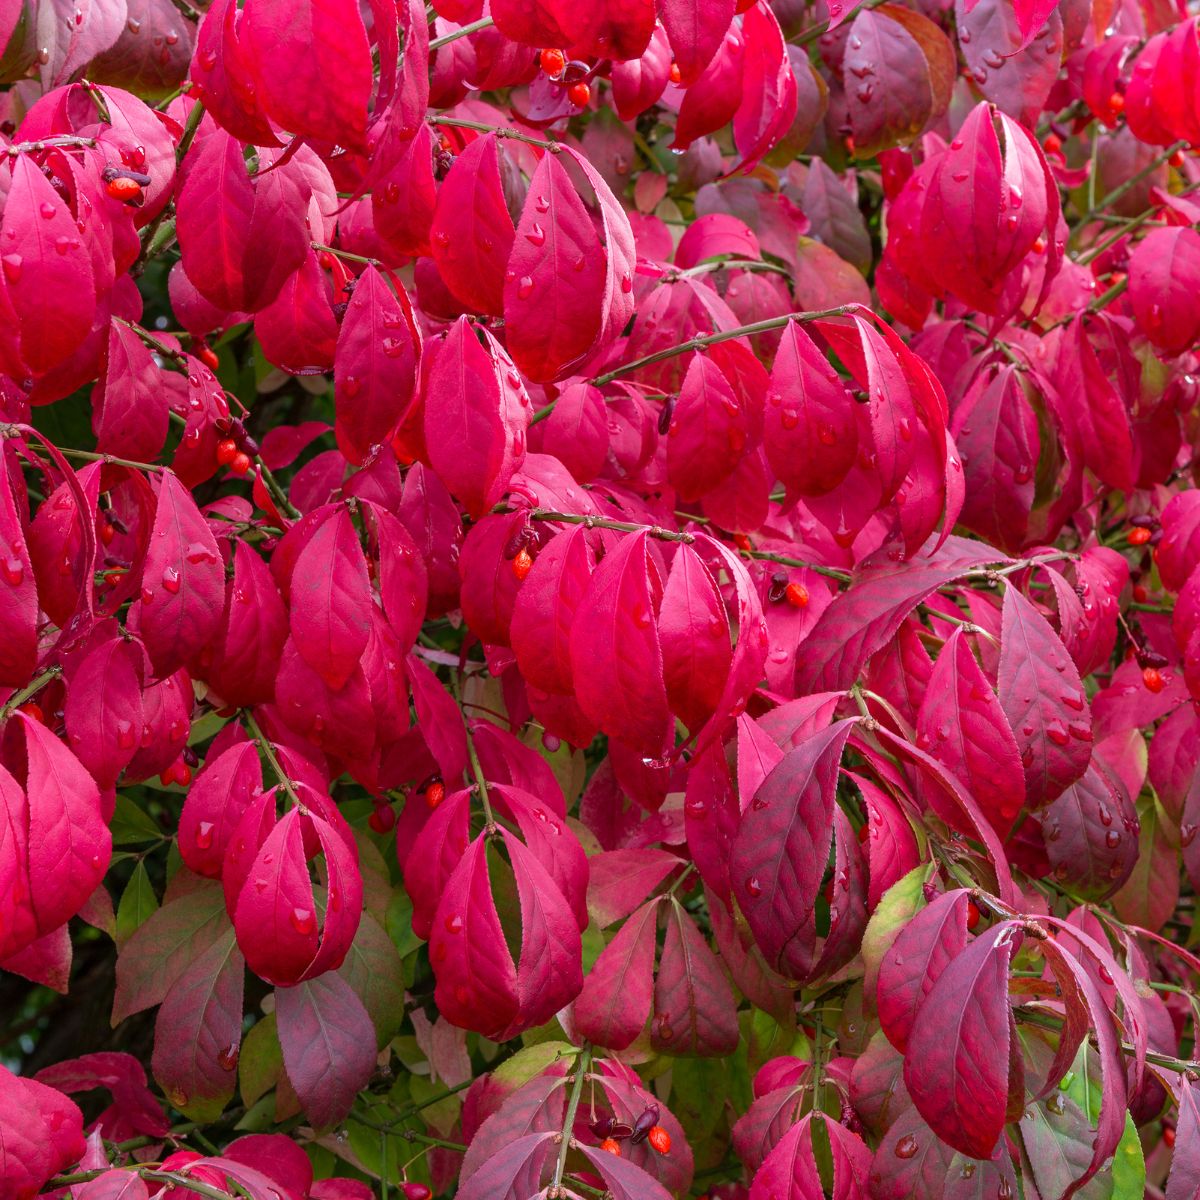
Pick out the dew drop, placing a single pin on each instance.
(454, 923)
(303, 921)
(753, 887)
(170, 580)
(535, 235)
(525, 287)
(204, 835)
(227, 1059)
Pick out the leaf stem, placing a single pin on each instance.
(269, 752)
(18, 698)
(583, 1065)
(465, 31)
(501, 131)
(711, 339)
(1105, 202)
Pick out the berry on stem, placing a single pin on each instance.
(1152, 678)
(241, 463)
(660, 1139)
(227, 451)
(522, 564)
(553, 61)
(611, 1146)
(579, 94)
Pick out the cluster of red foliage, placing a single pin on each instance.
(603, 598)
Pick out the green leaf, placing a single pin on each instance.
(131, 826)
(137, 905)
(897, 906)
(260, 1062)
(374, 970)
(399, 925)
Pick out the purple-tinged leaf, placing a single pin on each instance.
(328, 1045)
(1043, 698)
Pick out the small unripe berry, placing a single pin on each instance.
(383, 819)
(579, 94)
(660, 1139)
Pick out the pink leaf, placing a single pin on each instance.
(330, 600)
(376, 362)
(476, 413)
(615, 1003)
(19, 610)
(616, 657)
(103, 712)
(695, 29)
(183, 581)
(956, 1065)
(313, 67)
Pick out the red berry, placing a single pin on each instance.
(579, 94)
(32, 709)
(864, 831)
(1176, 160)
(850, 145)
(1053, 143)
(1140, 594)
(973, 914)
(382, 819)
(435, 793)
(121, 188)
(1116, 102)
(415, 1191)
(1039, 245)
(227, 451)
(797, 595)
(107, 532)
(553, 61)
(522, 564)
(1168, 1136)
(611, 1146)
(240, 464)
(660, 1139)
(1152, 678)
(208, 356)
(1139, 537)
(674, 74)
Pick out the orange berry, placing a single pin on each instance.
(1152, 678)
(1116, 102)
(1052, 144)
(32, 709)
(973, 914)
(674, 74)
(1039, 245)
(208, 356)
(522, 564)
(850, 145)
(611, 1146)
(121, 188)
(1139, 537)
(797, 595)
(435, 793)
(227, 451)
(553, 61)
(240, 464)
(1168, 1136)
(660, 1139)
(579, 94)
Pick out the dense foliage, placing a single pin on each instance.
(599, 597)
